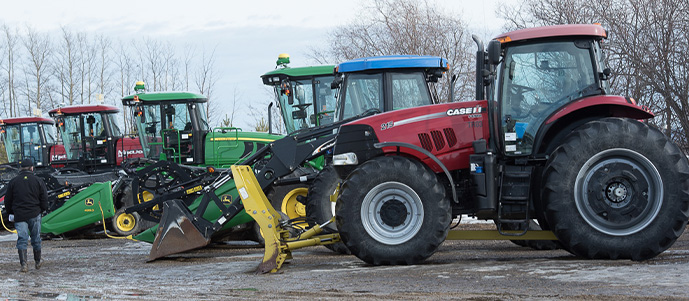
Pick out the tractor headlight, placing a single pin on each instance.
(345, 159)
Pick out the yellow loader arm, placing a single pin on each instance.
(278, 243)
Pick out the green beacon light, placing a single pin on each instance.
(283, 60)
(139, 87)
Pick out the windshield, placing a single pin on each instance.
(112, 123)
(409, 90)
(49, 134)
(72, 133)
(148, 127)
(536, 80)
(313, 103)
(200, 110)
(361, 92)
(12, 142)
(365, 91)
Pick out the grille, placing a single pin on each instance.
(426, 143)
(438, 140)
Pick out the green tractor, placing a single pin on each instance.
(305, 100)
(171, 127)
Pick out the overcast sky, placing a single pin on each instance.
(247, 35)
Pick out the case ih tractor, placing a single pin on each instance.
(544, 140)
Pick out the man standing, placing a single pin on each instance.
(25, 199)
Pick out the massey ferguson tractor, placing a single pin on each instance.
(544, 140)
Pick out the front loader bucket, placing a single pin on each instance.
(176, 232)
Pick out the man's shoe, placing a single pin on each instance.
(22, 261)
(37, 258)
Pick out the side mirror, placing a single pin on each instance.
(299, 114)
(336, 82)
(494, 50)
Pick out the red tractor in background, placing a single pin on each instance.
(92, 140)
(28, 137)
(543, 141)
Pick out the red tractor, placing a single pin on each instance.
(543, 141)
(92, 140)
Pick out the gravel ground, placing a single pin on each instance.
(482, 270)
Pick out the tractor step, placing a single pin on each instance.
(513, 203)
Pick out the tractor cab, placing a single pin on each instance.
(386, 83)
(541, 76)
(303, 94)
(91, 138)
(172, 126)
(27, 137)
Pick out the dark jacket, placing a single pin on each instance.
(26, 196)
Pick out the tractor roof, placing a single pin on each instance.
(164, 97)
(302, 71)
(84, 109)
(392, 62)
(553, 31)
(18, 120)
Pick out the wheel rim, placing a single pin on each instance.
(392, 213)
(618, 192)
(291, 206)
(126, 222)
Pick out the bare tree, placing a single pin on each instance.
(104, 60)
(65, 64)
(39, 49)
(205, 79)
(11, 39)
(406, 27)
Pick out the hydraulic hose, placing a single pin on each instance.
(102, 214)
(3, 225)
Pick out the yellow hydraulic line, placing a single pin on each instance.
(2, 220)
(102, 214)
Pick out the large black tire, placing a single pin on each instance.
(319, 208)
(392, 210)
(617, 189)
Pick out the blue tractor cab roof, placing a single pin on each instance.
(392, 62)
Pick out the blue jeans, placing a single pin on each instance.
(30, 227)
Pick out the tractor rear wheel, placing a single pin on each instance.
(616, 188)
(392, 210)
(319, 208)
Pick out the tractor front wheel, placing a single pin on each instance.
(617, 188)
(392, 210)
(126, 223)
(319, 207)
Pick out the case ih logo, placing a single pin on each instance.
(464, 111)
(130, 152)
